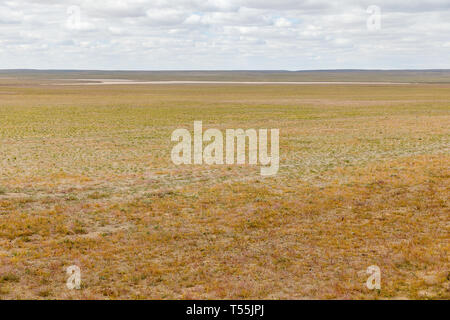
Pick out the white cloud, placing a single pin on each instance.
(166, 16)
(223, 34)
(283, 23)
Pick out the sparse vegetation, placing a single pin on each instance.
(87, 180)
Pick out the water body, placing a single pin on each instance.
(96, 82)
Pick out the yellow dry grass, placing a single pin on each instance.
(86, 179)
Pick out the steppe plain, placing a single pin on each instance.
(86, 179)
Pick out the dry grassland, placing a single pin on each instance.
(86, 179)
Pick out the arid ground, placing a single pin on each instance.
(86, 179)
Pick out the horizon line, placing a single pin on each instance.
(215, 70)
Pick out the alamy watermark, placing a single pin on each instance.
(76, 21)
(374, 281)
(74, 280)
(374, 20)
(74, 18)
(186, 153)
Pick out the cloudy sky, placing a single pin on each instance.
(224, 34)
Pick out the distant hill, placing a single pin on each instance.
(422, 76)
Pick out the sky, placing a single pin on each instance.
(224, 34)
